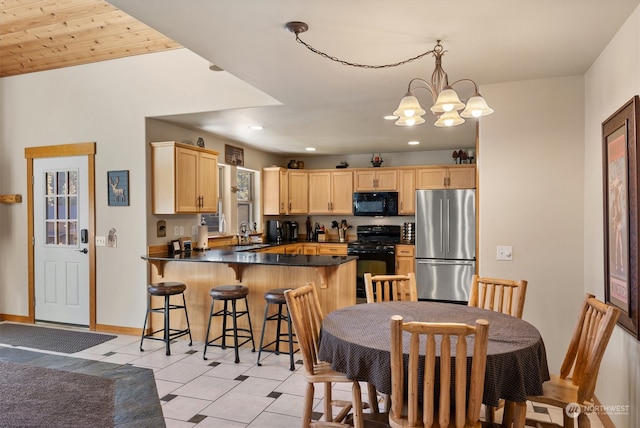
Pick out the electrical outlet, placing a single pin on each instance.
(194, 230)
(181, 230)
(101, 241)
(176, 230)
(505, 252)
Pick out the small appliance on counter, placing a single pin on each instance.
(275, 234)
(290, 231)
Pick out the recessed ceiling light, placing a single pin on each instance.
(310, 149)
(414, 143)
(390, 117)
(256, 127)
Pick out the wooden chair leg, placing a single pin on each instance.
(583, 420)
(373, 398)
(519, 414)
(357, 405)
(508, 414)
(308, 405)
(328, 410)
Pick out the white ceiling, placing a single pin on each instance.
(339, 109)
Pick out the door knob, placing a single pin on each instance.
(84, 250)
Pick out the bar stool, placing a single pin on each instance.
(276, 297)
(229, 293)
(166, 290)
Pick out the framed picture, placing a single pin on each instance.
(620, 179)
(118, 188)
(233, 155)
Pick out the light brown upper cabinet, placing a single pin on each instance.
(376, 179)
(298, 183)
(284, 191)
(275, 191)
(330, 192)
(184, 178)
(451, 177)
(406, 191)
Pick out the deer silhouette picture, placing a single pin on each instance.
(119, 196)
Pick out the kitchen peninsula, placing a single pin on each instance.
(334, 276)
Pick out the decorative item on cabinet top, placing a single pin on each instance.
(294, 164)
(376, 160)
(342, 164)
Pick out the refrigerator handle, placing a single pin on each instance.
(448, 231)
(441, 228)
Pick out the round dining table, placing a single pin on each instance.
(356, 340)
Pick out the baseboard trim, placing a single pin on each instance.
(15, 318)
(114, 329)
(602, 415)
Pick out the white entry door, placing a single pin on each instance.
(60, 220)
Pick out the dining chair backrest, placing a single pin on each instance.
(405, 406)
(588, 343)
(306, 316)
(387, 288)
(500, 295)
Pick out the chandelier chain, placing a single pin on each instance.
(354, 64)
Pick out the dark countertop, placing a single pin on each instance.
(241, 254)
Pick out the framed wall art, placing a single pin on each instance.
(233, 155)
(620, 185)
(118, 188)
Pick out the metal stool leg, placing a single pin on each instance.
(206, 339)
(146, 317)
(292, 367)
(278, 329)
(253, 345)
(264, 327)
(235, 331)
(186, 315)
(166, 324)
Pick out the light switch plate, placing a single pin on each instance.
(101, 241)
(505, 252)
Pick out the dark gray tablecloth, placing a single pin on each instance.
(356, 341)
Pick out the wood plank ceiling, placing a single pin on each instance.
(38, 35)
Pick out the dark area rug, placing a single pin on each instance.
(41, 397)
(50, 339)
(48, 390)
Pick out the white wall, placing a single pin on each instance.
(611, 81)
(106, 102)
(530, 178)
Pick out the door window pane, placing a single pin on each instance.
(61, 205)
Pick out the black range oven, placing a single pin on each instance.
(376, 251)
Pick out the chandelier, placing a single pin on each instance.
(446, 102)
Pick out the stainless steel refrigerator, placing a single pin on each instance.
(445, 243)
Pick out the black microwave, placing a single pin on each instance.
(375, 203)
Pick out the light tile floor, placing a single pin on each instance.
(219, 393)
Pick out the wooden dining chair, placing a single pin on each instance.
(500, 295)
(387, 288)
(414, 407)
(579, 371)
(306, 317)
